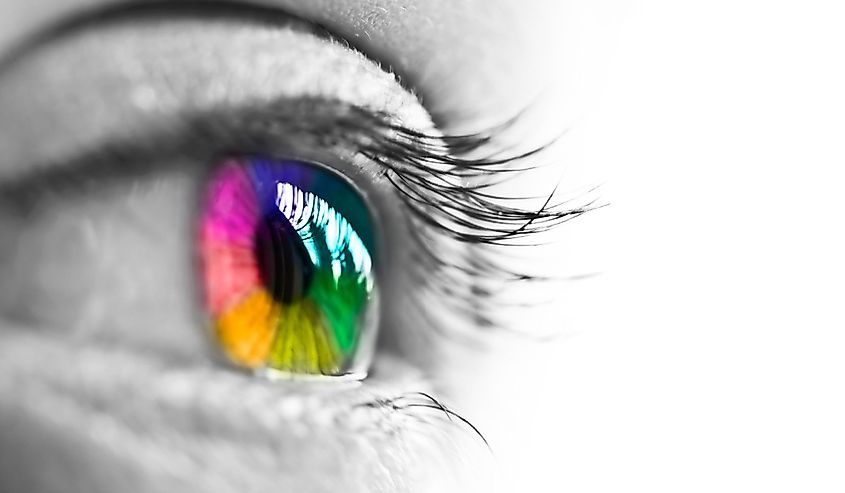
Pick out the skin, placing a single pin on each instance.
(129, 410)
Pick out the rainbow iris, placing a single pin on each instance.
(285, 251)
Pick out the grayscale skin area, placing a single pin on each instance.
(107, 383)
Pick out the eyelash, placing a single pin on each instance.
(436, 186)
(419, 166)
(415, 403)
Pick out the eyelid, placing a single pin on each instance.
(165, 81)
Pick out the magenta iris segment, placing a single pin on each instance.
(286, 255)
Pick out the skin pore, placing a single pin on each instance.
(140, 410)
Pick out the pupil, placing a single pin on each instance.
(283, 262)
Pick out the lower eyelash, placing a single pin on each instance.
(418, 401)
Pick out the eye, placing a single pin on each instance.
(109, 242)
(286, 256)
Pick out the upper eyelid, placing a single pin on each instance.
(183, 65)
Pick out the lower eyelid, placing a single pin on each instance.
(208, 426)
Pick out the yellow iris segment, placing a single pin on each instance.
(246, 331)
(303, 344)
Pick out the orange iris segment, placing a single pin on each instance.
(246, 331)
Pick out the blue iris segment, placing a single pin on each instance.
(324, 210)
(268, 175)
(323, 229)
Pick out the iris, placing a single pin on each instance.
(286, 257)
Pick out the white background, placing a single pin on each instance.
(709, 356)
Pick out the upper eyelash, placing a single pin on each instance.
(418, 400)
(420, 165)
